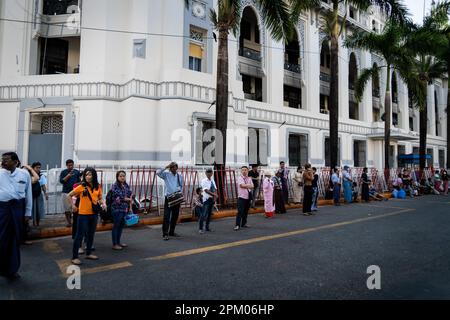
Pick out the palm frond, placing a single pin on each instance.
(300, 6)
(363, 79)
(277, 18)
(396, 11)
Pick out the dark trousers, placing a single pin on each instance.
(11, 225)
(119, 223)
(337, 193)
(87, 225)
(285, 187)
(280, 208)
(243, 207)
(205, 216)
(307, 198)
(365, 192)
(170, 219)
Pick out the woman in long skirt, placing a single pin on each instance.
(365, 186)
(278, 193)
(269, 206)
(348, 195)
(297, 185)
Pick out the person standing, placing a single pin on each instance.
(120, 206)
(348, 182)
(91, 202)
(315, 186)
(173, 183)
(365, 185)
(278, 193)
(245, 187)
(297, 185)
(335, 181)
(407, 183)
(68, 178)
(308, 177)
(285, 182)
(437, 181)
(209, 196)
(268, 191)
(254, 174)
(34, 186)
(445, 178)
(39, 191)
(16, 201)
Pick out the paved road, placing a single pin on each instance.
(289, 257)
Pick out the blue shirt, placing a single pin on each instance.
(68, 185)
(173, 182)
(335, 178)
(42, 180)
(16, 186)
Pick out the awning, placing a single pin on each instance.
(195, 51)
(412, 158)
(396, 135)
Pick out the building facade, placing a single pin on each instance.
(113, 82)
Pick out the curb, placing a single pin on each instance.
(64, 231)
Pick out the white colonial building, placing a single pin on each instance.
(114, 82)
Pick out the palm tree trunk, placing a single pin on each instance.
(334, 93)
(387, 121)
(423, 136)
(221, 110)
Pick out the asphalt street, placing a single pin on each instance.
(289, 257)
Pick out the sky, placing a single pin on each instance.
(416, 8)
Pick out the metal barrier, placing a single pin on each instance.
(149, 188)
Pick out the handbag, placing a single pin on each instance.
(131, 219)
(175, 198)
(96, 208)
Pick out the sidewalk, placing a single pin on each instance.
(54, 226)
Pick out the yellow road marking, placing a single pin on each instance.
(64, 264)
(385, 207)
(272, 237)
(52, 247)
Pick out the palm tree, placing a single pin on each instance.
(390, 46)
(334, 27)
(427, 61)
(277, 17)
(438, 23)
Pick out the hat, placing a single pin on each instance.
(268, 173)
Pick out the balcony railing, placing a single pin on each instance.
(292, 67)
(325, 77)
(250, 54)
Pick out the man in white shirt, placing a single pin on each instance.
(15, 204)
(209, 194)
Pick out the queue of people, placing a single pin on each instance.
(23, 190)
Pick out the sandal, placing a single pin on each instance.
(92, 257)
(76, 262)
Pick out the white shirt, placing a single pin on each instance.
(16, 186)
(206, 185)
